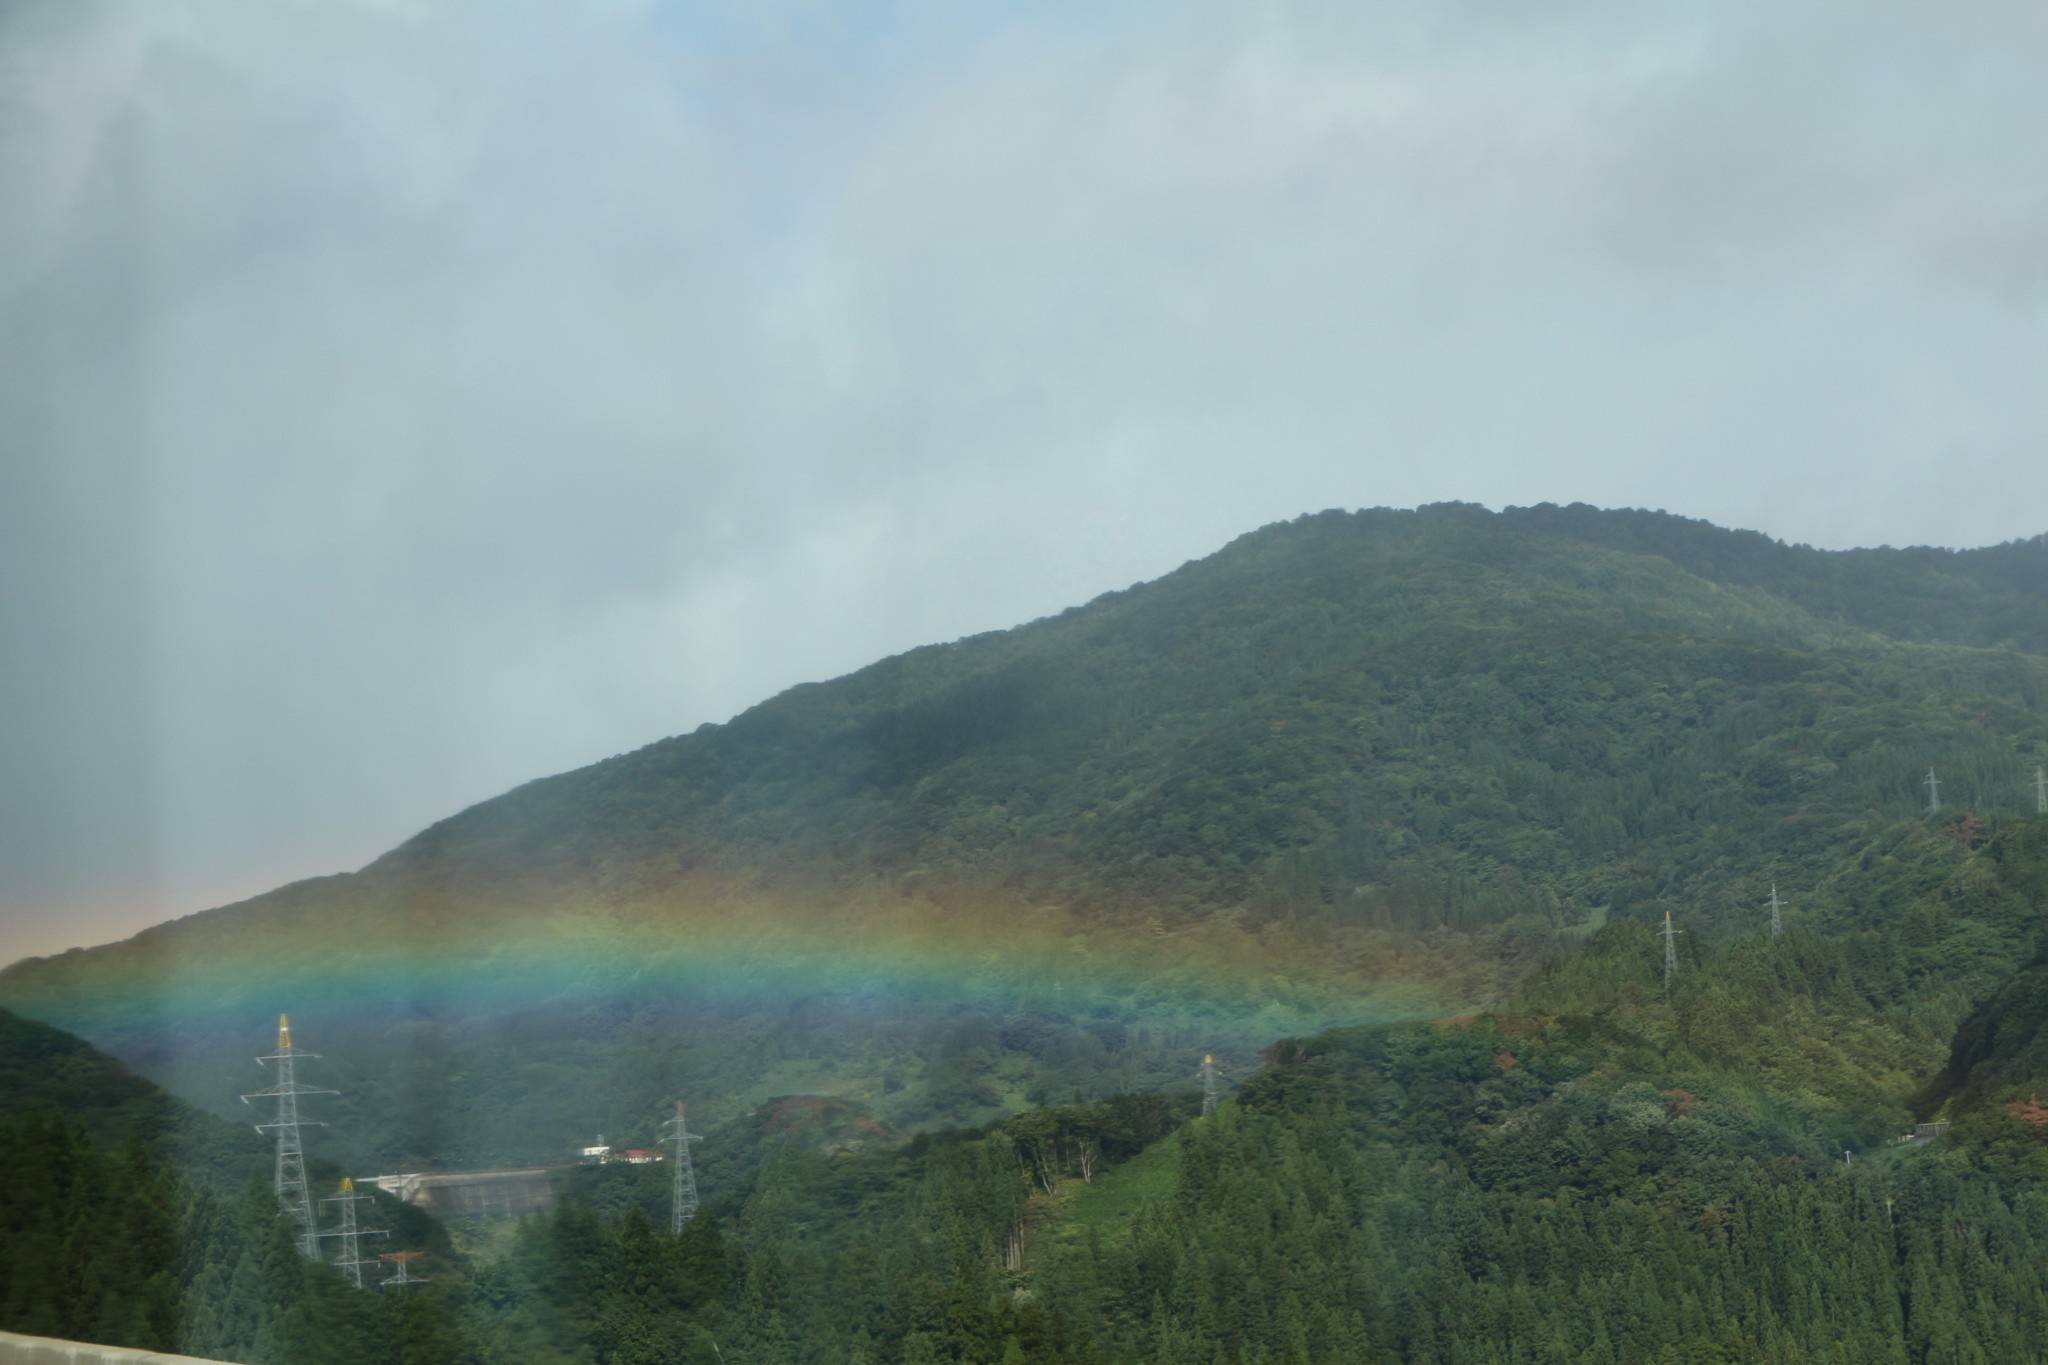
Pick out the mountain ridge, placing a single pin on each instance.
(981, 709)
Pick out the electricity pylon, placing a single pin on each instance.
(1670, 951)
(1933, 785)
(2040, 790)
(350, 1258)
(685, 1206)
(401, 1274)
(1777, 927)
(291, 1157)
(1211, 1086)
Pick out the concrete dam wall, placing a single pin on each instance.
(473, 1194)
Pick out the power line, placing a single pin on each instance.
(292, 1196)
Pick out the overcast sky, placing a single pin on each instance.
(400, 399)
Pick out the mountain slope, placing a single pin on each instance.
(1173, 739)
(2000, 1051)
(1611, 1168)
(1349, 768)
(46, 1073)
(131, 1219)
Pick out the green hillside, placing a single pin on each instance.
(1999, 1055)
(1609, 1168)
(1606, 1170)
(1352, 768)
(48, 1074)
(1613, 1171)
(130, 1219)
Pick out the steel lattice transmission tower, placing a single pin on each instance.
(1777, 926)
(1933, 785)
(1670, 951)
(685, 1207)
(401, 1274)
(291, 1157)
(2040, 790)
(1211, 1084)
(350, 1258)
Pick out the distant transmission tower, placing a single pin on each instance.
(2040, 790)
(685, 1207)
(1777, 926)
(349, 1259)
(1670, 951)
(401, 1274)
(291, 1158)
(1933, 785)
(1211, 1084)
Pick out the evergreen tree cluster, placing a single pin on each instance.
(120, 1249)
(1635, 1226)
(89, 1243)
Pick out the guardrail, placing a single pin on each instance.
(20, 1350)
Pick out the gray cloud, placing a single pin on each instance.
(401, 400)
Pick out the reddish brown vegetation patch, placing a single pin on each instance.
(787, 1113)
(823, 1115)
(2032, 1110)
(1285, 1052)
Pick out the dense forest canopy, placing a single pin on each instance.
(1608, 1168)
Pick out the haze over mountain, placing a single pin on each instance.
(1352, 767)
(384, 428)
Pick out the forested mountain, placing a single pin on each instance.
(1389, 810)
(1353, 767)
(47, 1073)
(1611, 1168)
(131, 1219)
